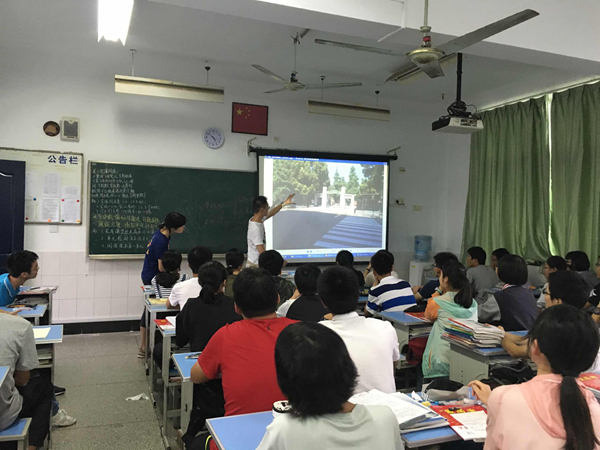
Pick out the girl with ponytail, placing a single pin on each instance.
(554, 410)
(456, 303)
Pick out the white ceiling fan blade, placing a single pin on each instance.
(432, 69)
(268, 72)
(331, 85)
(389, 35)
(417, 74)
(407, 68)
(276, 90)
(362, 48)
(303, 33)
(462, 42)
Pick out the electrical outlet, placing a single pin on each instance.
(53, 228)
(417, 208)
(401, 169)
(400, 202)
(276, 139)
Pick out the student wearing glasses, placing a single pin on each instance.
(433, 287)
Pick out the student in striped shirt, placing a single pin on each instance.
(389, 293)
(163, 282)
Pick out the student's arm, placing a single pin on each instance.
(28, 359)
(431, 313)
(260, 248)
(197, 375)
(209, 361)
(515, 345)
(276, 209)
(173, 300)
(160, 266)
(416, 293)
(22, 377)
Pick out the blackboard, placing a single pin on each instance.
(127, 203)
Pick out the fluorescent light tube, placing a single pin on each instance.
(114, 17)
(169, 89)
(349, 110)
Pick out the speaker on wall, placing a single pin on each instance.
(70, 129)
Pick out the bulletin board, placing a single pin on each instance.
(53, 185)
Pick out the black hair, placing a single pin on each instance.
(442, 258)
(512, 269)
(557, 262)
(198, 256)
(272, 261)
(570, 287)
(211, 277)
(345, 258)
(314, 369)
(234, 258)
(173, 221)
(569, 339)
(19, 262)
(171, 262)
(457, 277)
(382, 262)
(479, 254)
(579, 261)
(338, 289)
(499, 253)
(259, 203)
(306, 278)
(255, 292)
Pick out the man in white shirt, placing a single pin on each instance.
(372, 343)
(197, 257)
(256, 226)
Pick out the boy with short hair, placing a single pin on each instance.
(272, 261)
(185, 290)
(242, 353)
(479, 275)
(372, 343)
(389, 293)
(305, 304)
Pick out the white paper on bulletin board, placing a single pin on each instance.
(53, 184)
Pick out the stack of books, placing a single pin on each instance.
(473, 334)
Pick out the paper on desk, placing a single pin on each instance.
(171, 320)
(406, 410)
(473, 425)
(41, 333)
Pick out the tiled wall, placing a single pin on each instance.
(91, 290)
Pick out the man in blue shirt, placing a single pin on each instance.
(22, 266)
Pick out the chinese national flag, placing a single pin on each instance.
(250, 119)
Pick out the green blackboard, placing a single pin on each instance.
(127, 202)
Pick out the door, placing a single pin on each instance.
(12, 209)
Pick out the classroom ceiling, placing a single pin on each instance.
(67, 30)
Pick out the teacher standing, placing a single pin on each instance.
(159, 243)
(256, 226)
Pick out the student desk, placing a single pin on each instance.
(44, 298)
(167, 336)
(403, 323)
(45, 348)
(3, 373)
(469, 364)
(244, 432)
(184, 367)
(152, 309)
(29, 313)
(17, 432)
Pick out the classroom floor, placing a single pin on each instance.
(100, 371)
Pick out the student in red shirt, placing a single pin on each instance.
(243, 353)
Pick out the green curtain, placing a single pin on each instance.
(575, 214)
(508, 198)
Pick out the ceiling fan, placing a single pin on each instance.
(427, 58)
(294, 84)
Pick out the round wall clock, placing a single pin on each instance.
(213, 137)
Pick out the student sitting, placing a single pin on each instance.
(272, 261)
(198, 321)
(389, 293)
(456, 303)
(370, 280)
(23, 266)
(552, 265)
(317, 375)
(497, 256)
(181, 292)
(433, 287)
(595, 294)
(372, 343)
(163, 282)
(480, 276)
(242, 353)
(514, 307)
(579, 262)
(554, 410)
(345, 258)
(235, 262)
(305, 303)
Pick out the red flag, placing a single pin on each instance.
(250, 119)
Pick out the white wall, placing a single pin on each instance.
(146, 130)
